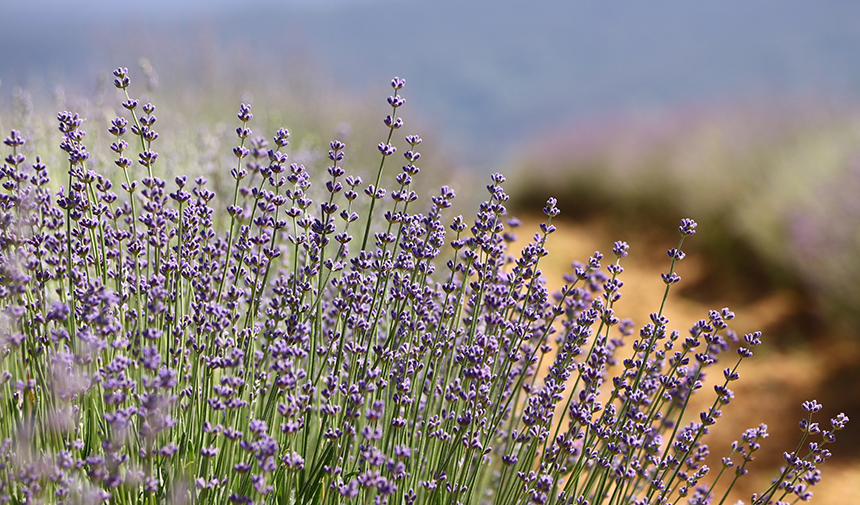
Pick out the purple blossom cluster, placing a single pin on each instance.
(151, 357)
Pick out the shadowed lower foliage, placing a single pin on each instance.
(328, 341)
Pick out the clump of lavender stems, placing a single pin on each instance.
(149, 357)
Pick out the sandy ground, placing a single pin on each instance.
(773, 383)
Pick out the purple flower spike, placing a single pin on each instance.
(688, 227)
(620, 249)
(14, 139)
(811, 406)
(245, 113)
(121, 80)
(550, 209)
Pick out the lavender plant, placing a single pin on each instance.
(150, 357)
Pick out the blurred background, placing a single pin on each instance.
(743, 115)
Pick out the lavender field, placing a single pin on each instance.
(251, 267)
(316, 331)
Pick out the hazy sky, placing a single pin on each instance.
(489, 71)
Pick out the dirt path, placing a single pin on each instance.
(773, 383)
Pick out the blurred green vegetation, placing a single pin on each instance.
(775, 190)
(196, 110)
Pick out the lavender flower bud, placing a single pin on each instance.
(688, 227)
(670, 278)
(676, 254)
(620, 249)
(393, 123)
(811, 406)
(14, 139)
(245, 113)
(386, 149)
(122, 81)
(281, 137)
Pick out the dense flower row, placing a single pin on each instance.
(149, 357)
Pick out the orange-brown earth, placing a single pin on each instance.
(773, 383)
